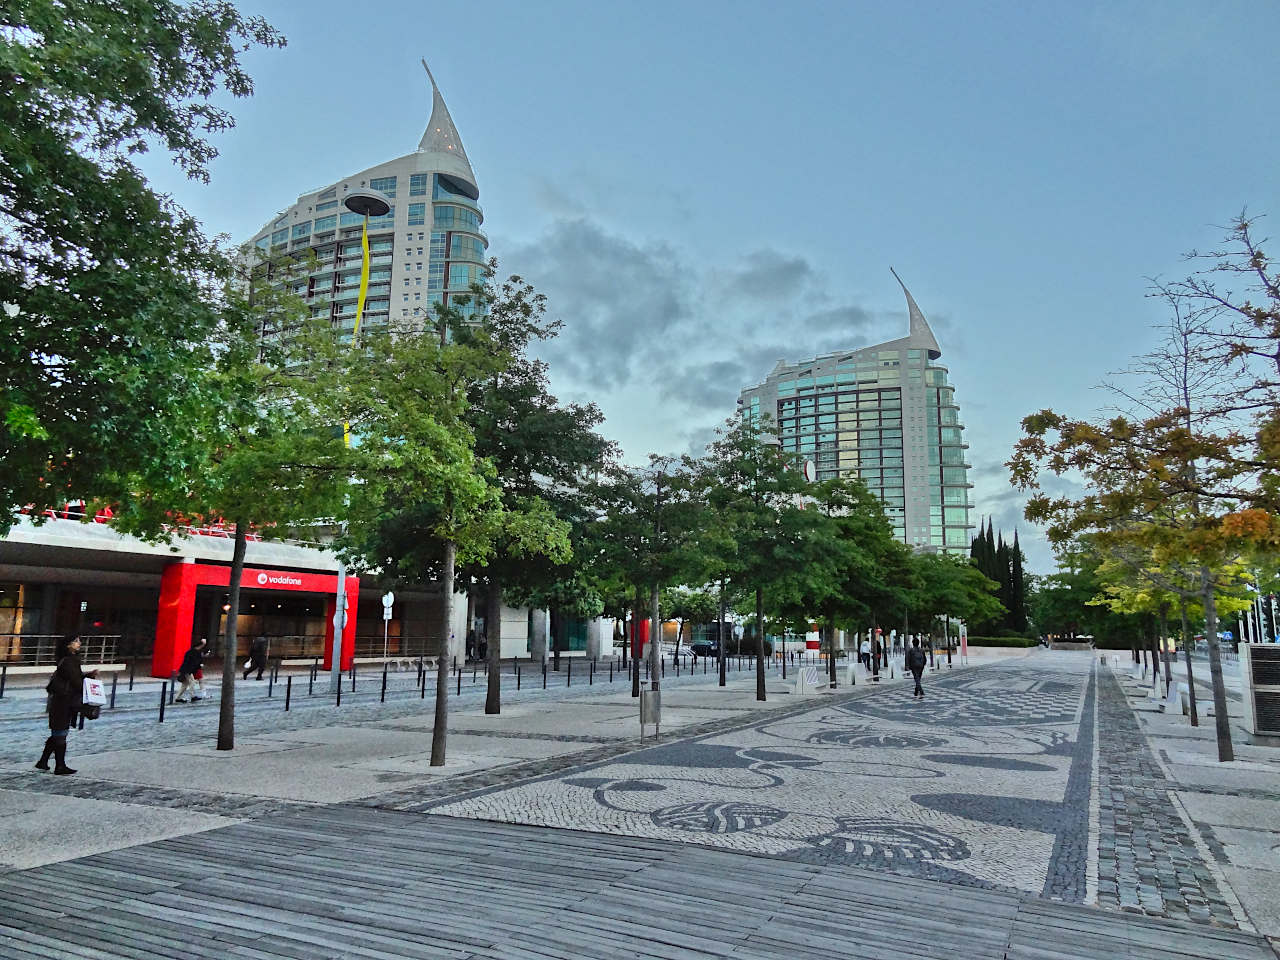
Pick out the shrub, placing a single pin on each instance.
(1001, 642)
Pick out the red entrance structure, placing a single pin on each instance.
(178, 586)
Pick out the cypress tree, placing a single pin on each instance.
(1003, 578)
(1018, 593)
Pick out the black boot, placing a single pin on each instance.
(44, 757)
(60, 757)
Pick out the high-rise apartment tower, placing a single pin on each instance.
(887, 414)
(428, 248)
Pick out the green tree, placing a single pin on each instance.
(425, 502)
(269, 457)
(102, 367)
(540, 450)
(689, 606)
(643, 536)
(751, 480)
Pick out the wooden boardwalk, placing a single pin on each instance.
(350, 881)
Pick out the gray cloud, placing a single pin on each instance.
(620, 302)
(767, 275)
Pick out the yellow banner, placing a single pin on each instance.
(364, 276)
(364, 288)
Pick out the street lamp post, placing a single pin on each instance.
(366, 203)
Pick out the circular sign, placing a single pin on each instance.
(810, 470)
(262, 578)
(388, 599)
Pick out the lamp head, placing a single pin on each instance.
(367, 203)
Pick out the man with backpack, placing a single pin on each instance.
(916, 661)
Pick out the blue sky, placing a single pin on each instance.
(703, 188)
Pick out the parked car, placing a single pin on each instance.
(709, 647)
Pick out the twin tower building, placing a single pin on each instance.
(886, 413)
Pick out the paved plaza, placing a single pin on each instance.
(1031, 805)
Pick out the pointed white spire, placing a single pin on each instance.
(441, 140)
(920, 334)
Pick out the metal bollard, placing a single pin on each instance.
(422, 682)
(173, 690)
(311, 682)
(517, 676)
(591, 673)
(662, 665)
(133, 662)
(568, 677)
(544, 676)
(611, 671)
(114, 678)
(164, 695)
(271, 683)
(383, 698)
(353, 676)
(338, 700)
(288, 692)
(474, 668)
(459, 681)
(4, 675)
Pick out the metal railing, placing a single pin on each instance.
(35, 650)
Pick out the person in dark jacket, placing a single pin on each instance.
(916, 661)
(65, 689)
(257, 657)
(190, 673)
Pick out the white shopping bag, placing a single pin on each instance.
(93, 692)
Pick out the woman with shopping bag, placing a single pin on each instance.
(65, 689)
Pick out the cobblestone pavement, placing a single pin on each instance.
(23, 728)
(983, 783)
(1148, 860)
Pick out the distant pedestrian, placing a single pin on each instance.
(65, 689)
(191, 672)
(864, 652)
(482, 643)
(916, 661)
(257, 657)
(471, 644)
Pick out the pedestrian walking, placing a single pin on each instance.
(65, 689)
(916, 661)
(864, 652)
(257, 657)
(191, 672)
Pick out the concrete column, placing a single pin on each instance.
(595, 638)
(538, 636)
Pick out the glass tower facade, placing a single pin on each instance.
(888, 415)
(428, 249)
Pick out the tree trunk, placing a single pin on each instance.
(638, 654)
(1186, 655)
(493, 660)
(655, 639)
(440, 731)
(760, 695)
(230, 656)
(1155, 664)
(471, 615)
(1164, 645)
(831, 650)
(1220, 719)
(720, 640)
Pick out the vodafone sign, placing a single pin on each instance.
(283, 580)
(287, 580)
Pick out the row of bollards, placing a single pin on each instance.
(169, 688)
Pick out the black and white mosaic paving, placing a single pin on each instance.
(985, 782)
